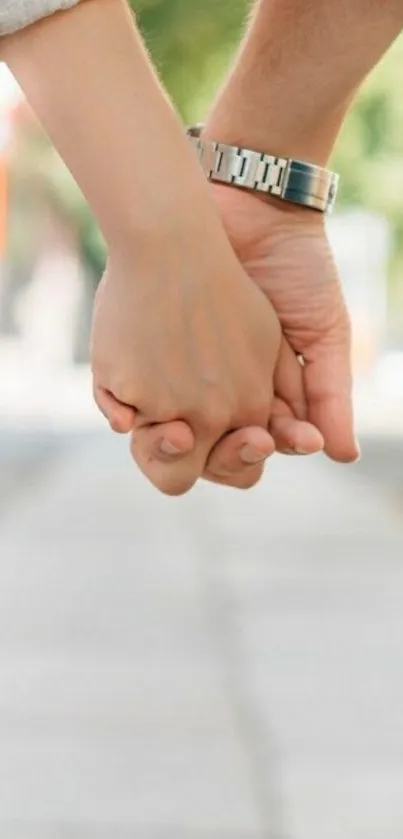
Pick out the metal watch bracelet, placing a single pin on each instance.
(288, 179)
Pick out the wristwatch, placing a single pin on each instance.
(291, 180)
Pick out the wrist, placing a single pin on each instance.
(173, 221)
(287, 179)
(154, 201)
(236, 204)
(277, 128)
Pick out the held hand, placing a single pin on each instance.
(285, 251)
(183, 352)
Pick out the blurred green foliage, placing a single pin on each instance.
(369, 152)
(192, 41)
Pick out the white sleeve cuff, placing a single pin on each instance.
(16, 14)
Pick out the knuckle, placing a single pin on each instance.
(124, 384)
(125, 391)
(215, 416)
(259, 411)
(256, 409)
(116, 424)
(210, 405)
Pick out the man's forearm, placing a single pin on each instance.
(298, 70)
(88, 77)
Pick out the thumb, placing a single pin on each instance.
(121, 417)
(328, 388)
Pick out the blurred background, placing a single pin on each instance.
(222, 666)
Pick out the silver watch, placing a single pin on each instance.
(288, 179)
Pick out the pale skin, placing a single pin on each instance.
(190, 387)
(185, 348)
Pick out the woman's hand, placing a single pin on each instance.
(184, 351)
(180, 334)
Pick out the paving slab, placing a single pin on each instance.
(223, 665)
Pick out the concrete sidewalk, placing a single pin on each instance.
(223, 666)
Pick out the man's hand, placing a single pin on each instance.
(285, 251)
(288, 100)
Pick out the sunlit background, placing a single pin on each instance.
(222, 666)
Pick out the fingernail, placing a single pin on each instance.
(251, 456)
(295, 451)
(168, 448)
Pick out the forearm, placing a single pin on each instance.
(87, 76)
(298, 70)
